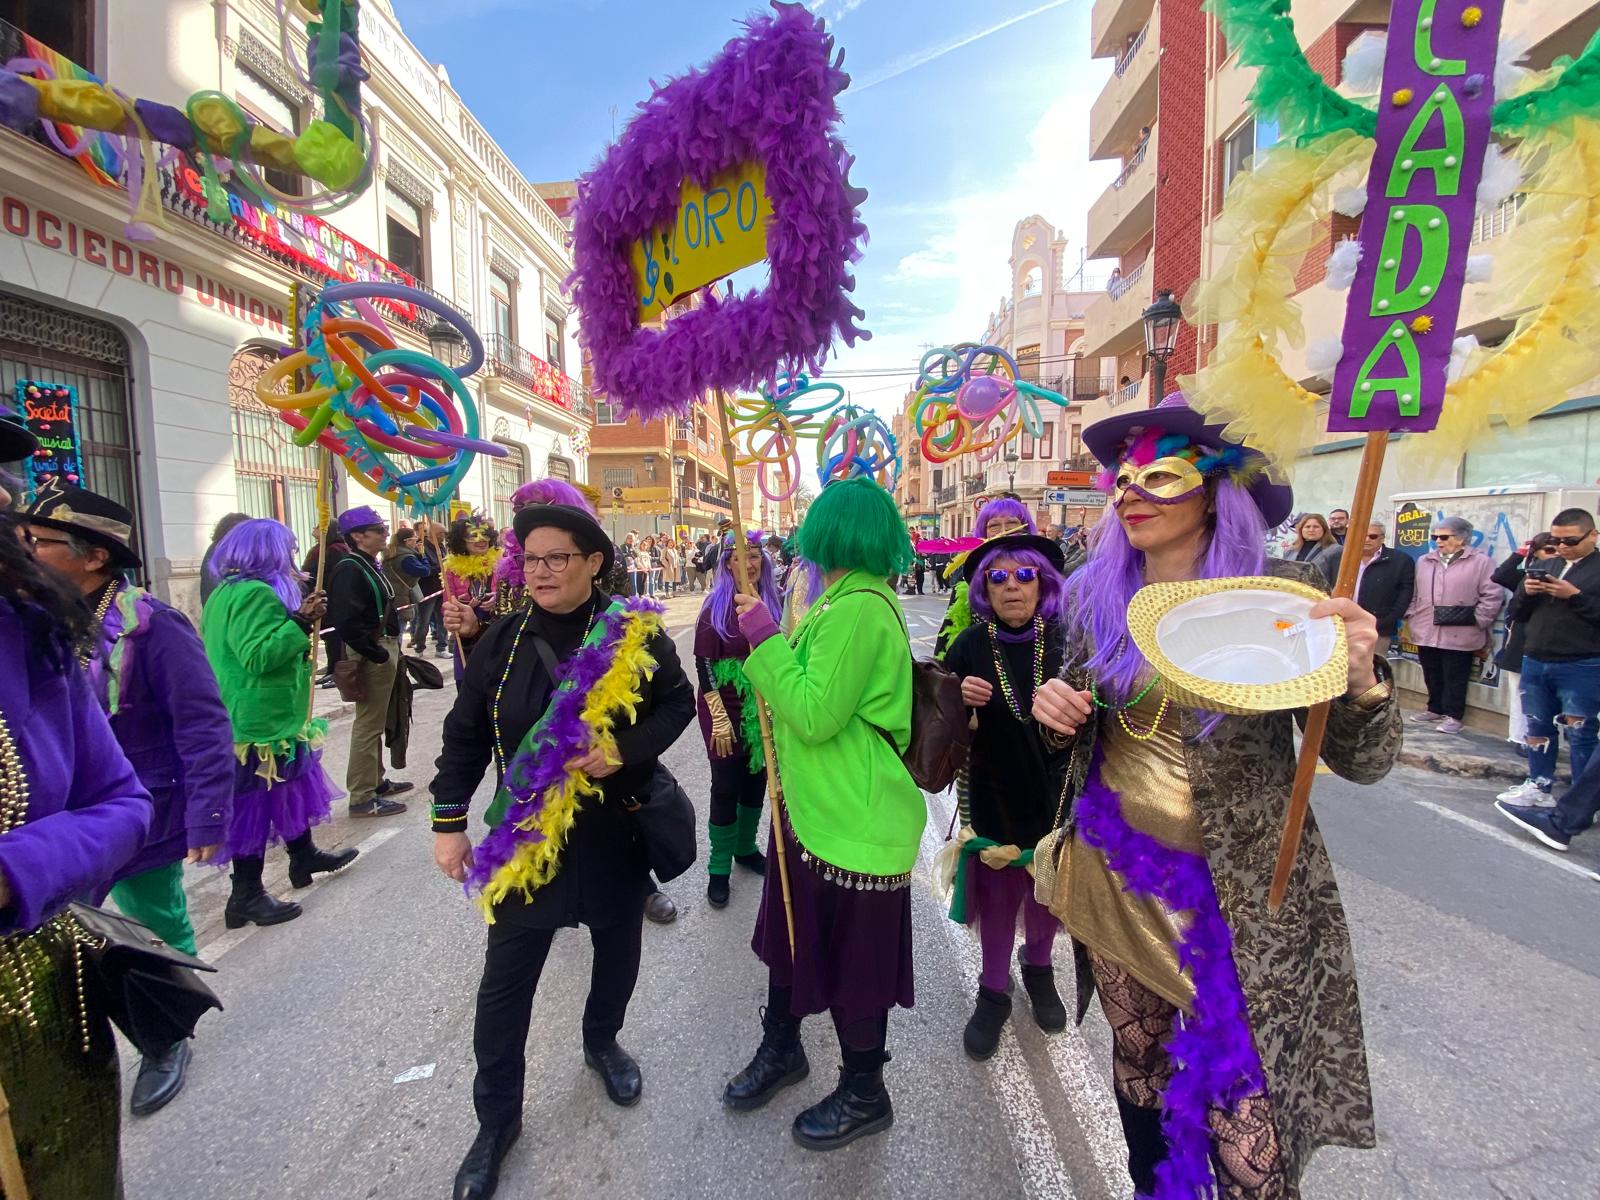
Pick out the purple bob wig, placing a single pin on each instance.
(1051, 585)
(1003, 506)
(719, 600)
(805, 578)
(539, 491)
(263, 551)
(1098, 592)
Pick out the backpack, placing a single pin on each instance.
(941, 727)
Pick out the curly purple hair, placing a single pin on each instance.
(539, 491)
(263, 551)
(1051, 584)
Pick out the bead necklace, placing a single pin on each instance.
(1137, 734)
(100, 611)
(505, 675)
(1000, 666)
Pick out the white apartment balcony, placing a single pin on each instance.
(1113, 323)
(1112, 22)
(1127, 210)
(1129, 99)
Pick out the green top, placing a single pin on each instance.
(262, 660)
(848, 675)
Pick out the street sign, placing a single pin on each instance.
(636, 495)
(1076, 497)
(659, 508)
(1068, 479)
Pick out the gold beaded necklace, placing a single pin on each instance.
(505, 675)
(1137, 734)
(100, 610)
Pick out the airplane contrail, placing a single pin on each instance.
(922, 58)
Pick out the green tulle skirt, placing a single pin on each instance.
(65, 1099)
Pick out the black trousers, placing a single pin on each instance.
(733, 787)
(1446, 673)
(512, 965)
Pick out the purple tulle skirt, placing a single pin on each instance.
(852, 947)
(301, 796)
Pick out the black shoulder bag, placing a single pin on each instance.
(149, 990)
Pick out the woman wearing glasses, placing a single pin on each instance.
(1455, 603)
(561, 849)
(1013, 780)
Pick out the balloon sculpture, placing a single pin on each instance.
(772, 426)
(857, 442)
(962, 409)
(367, 399)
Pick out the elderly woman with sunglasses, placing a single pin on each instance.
(1013, 779)
(1452, 609)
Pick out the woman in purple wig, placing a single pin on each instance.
(729, 722)
(1013, 779)
(1236, 1033)
(1002, 515)
(510, 587)
(257, 632)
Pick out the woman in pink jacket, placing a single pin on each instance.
(1454, 605)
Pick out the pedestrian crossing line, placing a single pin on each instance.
(213, 950)
(1550, 858)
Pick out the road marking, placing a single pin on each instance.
(213, 950)
(1551, 858)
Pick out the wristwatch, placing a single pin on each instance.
(1379, 693)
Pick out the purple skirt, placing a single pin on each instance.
(263, 813)
(852, 947)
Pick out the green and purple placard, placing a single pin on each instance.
(1433, 132)
(50, 410)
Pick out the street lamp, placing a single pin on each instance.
(1162, 321)
(680, 465)
(1012, 458)
(445, 342)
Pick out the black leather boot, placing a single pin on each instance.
(780, 1060)
(982, 1036)
(160, 1079)
(859, 1106)
(755, 861)
(1048, 1011)
(249, 903)
(620, 1073)
(1147, 1145)
(306, 860)
(479, 1173)
(717, 891)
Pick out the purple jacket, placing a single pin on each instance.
(172, 725)
(87, 811)
(1465, 581)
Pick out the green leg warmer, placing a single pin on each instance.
(722, 838)
(749, 821)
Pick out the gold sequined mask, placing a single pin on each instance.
(1164, 481)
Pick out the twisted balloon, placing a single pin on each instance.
(969, 400)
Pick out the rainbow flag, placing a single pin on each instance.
(100, 158)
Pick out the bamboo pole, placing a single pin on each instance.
(741, 565)
(13, 1182)
(1317, 719)
(324, 519)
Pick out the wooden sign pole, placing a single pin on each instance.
(747, 585)
(1317, 719)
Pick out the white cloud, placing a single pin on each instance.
(835, 11)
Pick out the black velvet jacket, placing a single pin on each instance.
(604, 875)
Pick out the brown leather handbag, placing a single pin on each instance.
(348, 679)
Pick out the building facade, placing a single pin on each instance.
(164, 340)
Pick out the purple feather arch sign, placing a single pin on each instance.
(750, 140)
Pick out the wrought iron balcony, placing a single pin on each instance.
(945, 495)
(508, 360)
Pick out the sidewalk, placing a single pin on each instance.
(1469, 754)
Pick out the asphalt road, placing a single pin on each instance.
(342, 1066)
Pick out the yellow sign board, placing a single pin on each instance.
(632, 494)
(659, 508)
(718, 230)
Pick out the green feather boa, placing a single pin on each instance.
(729, 672)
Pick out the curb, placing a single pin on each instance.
(1466, 766)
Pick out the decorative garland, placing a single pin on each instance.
(959, 615)
(729, 672)
(128, 617)
(1213, 1052)
(543, 786)
(769, 98)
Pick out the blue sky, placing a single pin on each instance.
(964, 118)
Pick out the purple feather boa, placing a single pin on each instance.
(540, 762)
(1213, 1052)
(769, 97)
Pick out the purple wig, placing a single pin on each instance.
(1098, 593)
(719, 600)
(1050, 582)
(541, 491)
(1003, 507)
(263, 551)
(805, 573)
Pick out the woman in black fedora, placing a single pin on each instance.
(560, 849)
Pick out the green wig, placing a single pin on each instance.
(854, 526)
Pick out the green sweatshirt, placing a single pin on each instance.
(262, 660)
(848, 795)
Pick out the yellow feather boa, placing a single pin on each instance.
(617, 692)
(473, 566)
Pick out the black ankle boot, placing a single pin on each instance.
(982, 1036)
(249, 903)
(754, 861)
(306, 860)
(717, 891)
(1147, 1145)
(479, 1174)
(1048, 1011)
(780, 1061)
(857, 1107)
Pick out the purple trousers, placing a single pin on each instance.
(996, 897)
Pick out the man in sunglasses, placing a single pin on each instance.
(1560, 606)
(1385, 583)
